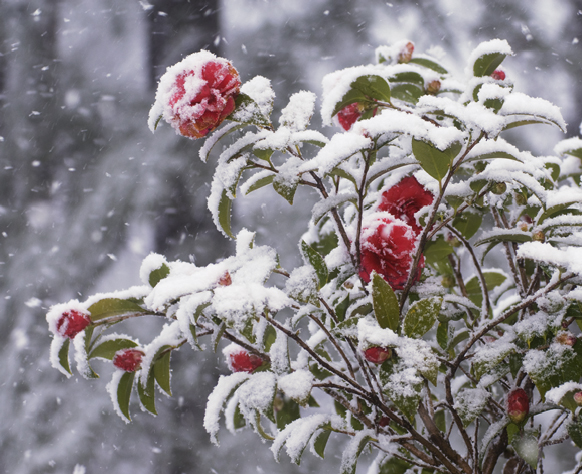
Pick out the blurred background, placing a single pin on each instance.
(86, 191)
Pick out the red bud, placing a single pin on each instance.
(517, 405)
(377, 354)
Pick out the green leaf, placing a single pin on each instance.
(286, 187)
(427, 63)
(440, 420)
(486, 64)
(269, 337)
(158, 274)
(316, 261)
(64, 355)
(288, 413)
(263, 154)
(473, 286)
(124, 393)
(158, 121)
(161, 370)
(468, 224)
(518, 237)
(373, 86)
(409, 76)
(392, 465)
(320, 442)
(575, 431)
(526, 445)
(259, 183)
(407, 93)
(247, 111)
(352, 453)
(109, 307)
(554, 210)
(386, 307)
(107, 349)
(224, 210)
(421, 317)
(217, 335)
(443, 334)
(352, 96)
(434, 161)
(437, 251)
(147, 395)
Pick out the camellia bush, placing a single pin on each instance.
(433, 320)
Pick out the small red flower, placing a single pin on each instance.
(197, 94)
(377, 354)
(128, 359)
(498, 75)
(242, 361)
(517, 405)
(349, 115)
(405, 199)
(72, 323)
(406, 54)
(578, 398)
(387, 246)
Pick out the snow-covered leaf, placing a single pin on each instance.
(421, 317)
(386, 306)
(109, 307)
(434, 161)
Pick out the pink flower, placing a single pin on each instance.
(405, 199)
(72, 322)
(387, 245)
(197, 94)
(128, 359)
(517, 405)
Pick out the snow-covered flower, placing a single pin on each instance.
(195, 95)
(405, 199)
(387, 245)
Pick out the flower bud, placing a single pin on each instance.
(578, 398)
(406, 54)
(433, 87)
(565, 338)
(520, 199)
(498, 75)
(377, 354)
(128, 359)
(72, 323)
(517, 406)
(539, 236)
(448, 281)
(499, 188)
(225, 280)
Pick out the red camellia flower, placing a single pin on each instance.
(387, 246)
(196, 95)
(498, 75)
(349, 115)
(517, 405)
(242, 361)
(377, 354)
(72, 323)
(405, 199)
(128, 359)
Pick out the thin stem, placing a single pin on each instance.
(486, 306)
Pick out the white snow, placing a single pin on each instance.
(297, 385)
